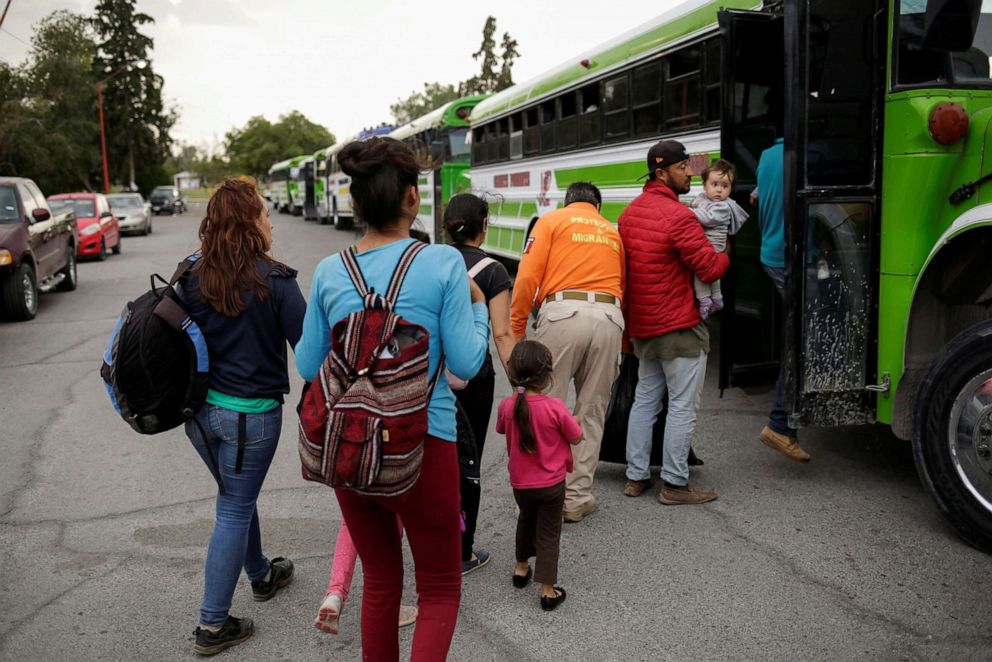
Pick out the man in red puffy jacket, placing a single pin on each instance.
(665, 247)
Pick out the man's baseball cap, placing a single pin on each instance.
(665, 153)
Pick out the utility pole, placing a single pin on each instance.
(4, 15)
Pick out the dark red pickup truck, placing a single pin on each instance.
(37, 248)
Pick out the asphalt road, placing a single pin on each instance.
(103, 532)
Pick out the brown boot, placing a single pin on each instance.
(635, 488)
(784, 444)
(586, 509)
(677, 496)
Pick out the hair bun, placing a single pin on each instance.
(362, 158)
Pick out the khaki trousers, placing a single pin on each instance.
(584, 339)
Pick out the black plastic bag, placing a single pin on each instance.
(614, 446)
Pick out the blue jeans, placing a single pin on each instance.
(683, 378)
(778, 419)
(236, 541)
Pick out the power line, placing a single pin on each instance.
(15, 36)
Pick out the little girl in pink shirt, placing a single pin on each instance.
(539, 430)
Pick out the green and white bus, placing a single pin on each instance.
(594, 117)
(278, 184)
(441, 136)
(885, 107)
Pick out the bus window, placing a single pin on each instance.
(682, 89)
(532, 142)
(646, 99)
(517, 135)
(589, 118)
(503, 138)
(547, 116)
(959, 59)
(839, 101)
(458, 146)
(711, 81)
(617, 120)
(567, 122)
(479, 145)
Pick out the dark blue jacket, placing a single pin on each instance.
(248, 352)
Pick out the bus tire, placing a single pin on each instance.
(952, 434)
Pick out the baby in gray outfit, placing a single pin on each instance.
(720, 216)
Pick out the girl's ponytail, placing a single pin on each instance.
(530, 366)
(521, 413)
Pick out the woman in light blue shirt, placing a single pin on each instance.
(438, 295)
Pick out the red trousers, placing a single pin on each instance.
(430, 514)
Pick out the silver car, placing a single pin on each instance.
(133, 214)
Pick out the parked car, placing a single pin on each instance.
(37, 248)
(99, 230)
(167, 200)
(133, 214)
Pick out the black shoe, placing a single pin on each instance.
(232, 633)
(521, 581)
(481, 559)
(548, 604)
(281, 575)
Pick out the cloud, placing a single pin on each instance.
(200, 13)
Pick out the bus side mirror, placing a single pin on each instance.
(950, 25)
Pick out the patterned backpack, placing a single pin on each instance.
(364, 418)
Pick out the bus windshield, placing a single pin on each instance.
(945, 57)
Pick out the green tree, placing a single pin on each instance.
(253, 148)
(211, 168)
(136, 119)
(496, 70)
(418, 104)
(49, 130)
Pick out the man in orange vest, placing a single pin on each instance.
(572, 269)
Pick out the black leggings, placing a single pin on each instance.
(477, 401)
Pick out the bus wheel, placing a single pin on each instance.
(952, 434)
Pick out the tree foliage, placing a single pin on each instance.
(253, 148)
(421, 103)
(496, 73)
(136, 119)
(49, 129)
(211, 168)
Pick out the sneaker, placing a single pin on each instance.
(408, 615)
(329, 614)
(635, 488)
(232, 633)
(572, 516)
(280, 575)
(481, 559)
(679, 496)
(785, 444)
(705, 306)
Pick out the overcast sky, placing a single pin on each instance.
(341, 63)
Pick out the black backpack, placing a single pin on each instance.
(156, 364)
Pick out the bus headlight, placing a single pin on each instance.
(948, 123)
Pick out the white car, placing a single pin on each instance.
(133, 214)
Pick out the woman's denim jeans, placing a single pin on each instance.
(236, 541)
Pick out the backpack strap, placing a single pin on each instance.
(402, 268)
(480, 266)
(242, 433)
(355, 272)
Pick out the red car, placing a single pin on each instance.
(98, 227)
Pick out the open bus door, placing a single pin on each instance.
(309, 190)
(831, 54)
(752, 80)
